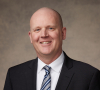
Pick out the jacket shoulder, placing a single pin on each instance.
(20, 68)
(78, 65)
(84, 67)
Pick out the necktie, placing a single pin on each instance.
(46, 84)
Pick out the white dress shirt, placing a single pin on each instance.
(55, 71)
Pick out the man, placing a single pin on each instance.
(62, 73)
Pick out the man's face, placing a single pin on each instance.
(46, 34)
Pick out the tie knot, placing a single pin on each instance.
(47, 68)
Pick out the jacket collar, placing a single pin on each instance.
(66, 74)
(31, 75)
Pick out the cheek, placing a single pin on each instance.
(34, 37)
(57, 36)
(54, 34)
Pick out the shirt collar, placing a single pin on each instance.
(55, 65)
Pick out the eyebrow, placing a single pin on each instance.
(32, 28)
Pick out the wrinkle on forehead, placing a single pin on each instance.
(49, 12)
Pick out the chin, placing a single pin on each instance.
(46, 52)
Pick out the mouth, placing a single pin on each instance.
(47, 42)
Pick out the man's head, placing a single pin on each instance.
(46, 33)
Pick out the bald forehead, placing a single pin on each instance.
(45, 10)
(49, 12)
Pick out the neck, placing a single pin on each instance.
(47, 59)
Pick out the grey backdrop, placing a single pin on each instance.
(80, 17)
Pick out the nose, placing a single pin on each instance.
(44, 33)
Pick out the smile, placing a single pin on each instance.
(45, 42)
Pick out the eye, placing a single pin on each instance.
(50, 28)
(36, 30)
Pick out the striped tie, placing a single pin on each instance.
(46, 84)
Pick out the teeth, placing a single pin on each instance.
(45, 42)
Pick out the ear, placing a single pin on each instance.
(64, 33)
(29, 33)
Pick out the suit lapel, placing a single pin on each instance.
(66, 74)
(31, 75)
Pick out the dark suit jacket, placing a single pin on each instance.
(74, 75)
